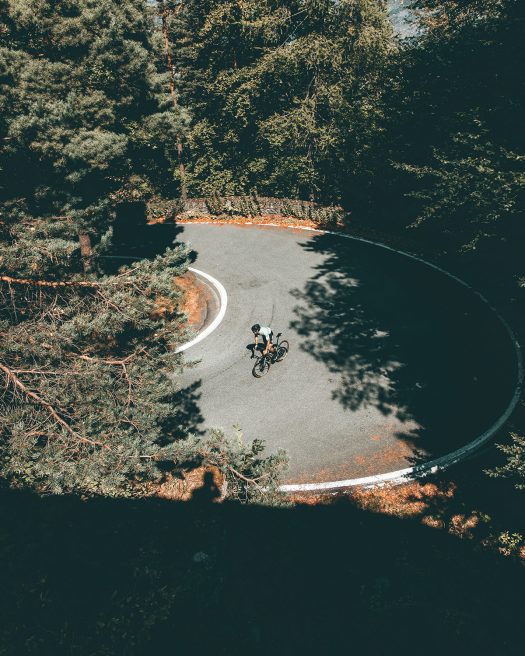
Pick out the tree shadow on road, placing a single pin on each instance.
(407, 340)
(134, 238)
(186, 418)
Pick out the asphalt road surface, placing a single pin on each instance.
(392, 363)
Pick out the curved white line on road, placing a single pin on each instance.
(223, 296)
(433, 466)
(439, 464)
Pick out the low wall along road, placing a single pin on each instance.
(393, 363)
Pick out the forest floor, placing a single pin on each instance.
(379, 572)
(463, 502)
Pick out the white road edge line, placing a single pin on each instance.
(433, 466)
(439, 464)
(223, 296)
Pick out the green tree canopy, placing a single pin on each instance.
(82, 99)
(286, 96)
(458, 122)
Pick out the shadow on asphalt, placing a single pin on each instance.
(148, 577)
(188, 417)
(134, 238)
(407, 340)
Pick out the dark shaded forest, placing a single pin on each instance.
(140, 577)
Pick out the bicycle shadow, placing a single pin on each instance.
(251, 347)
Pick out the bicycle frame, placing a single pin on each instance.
(269, 358)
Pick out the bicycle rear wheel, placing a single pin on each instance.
(282, 351)
(261, 367)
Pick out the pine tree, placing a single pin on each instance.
(163, 14)
(88, 359)
(82, 360)
(86, 99)
(336, 63)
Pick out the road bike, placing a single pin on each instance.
(264, 362)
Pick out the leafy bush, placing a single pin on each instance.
(215, 203)
(169, 210)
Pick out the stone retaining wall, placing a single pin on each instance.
(247, 206)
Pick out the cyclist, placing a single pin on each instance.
(266, 333)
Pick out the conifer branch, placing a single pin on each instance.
(122, 363)
(11, 376)
(12, 297)
(111, 304)
(242, 477)
(108, 361)
(48, 283)
(37, 372)
(130, 387)
(236, 473)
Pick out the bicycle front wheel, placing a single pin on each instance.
(261, 367)
(282, 350)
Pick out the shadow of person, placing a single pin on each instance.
(208, 492)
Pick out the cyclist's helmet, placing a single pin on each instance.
(255, 328)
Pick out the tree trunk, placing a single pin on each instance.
(86, 251)
(171, 69)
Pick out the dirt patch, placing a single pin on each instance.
(410, 500)
(438, 504)
(386, 459)
(198, 484)
(195, 299)
(265, 219)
